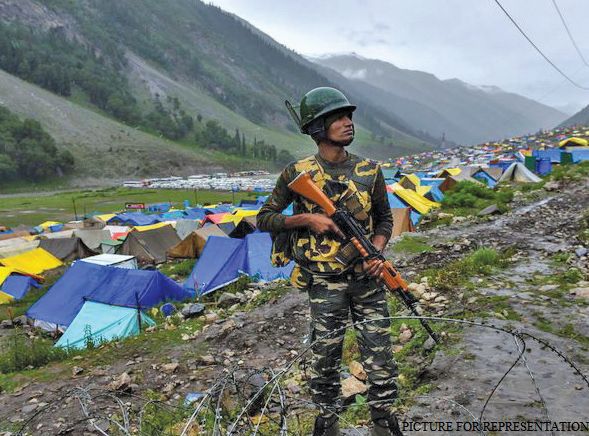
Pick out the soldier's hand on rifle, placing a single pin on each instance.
(322, 224)
(374, 268)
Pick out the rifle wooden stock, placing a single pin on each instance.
(304, 186)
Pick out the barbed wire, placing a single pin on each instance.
(262, 402)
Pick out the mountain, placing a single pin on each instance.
(580, 118)
(153, 87)
(462, 112)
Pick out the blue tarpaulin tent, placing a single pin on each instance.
(18, 286)
(196, 213)
(98, 323)
(552, 153)
(103, 284)
(223, 260)
(580, 155)
(134, 219)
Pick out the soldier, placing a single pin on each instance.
(337, 281)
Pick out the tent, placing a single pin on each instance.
(35, 261)
(483, 176)
(17, 286)
(94, 223)
(223, 260)
(573, 142)
(416, 201)
(104, 284)
(92, 238)
(186, 227)
(97, 323)
(193, 244)
(243, 228)
(66, 249)
(150, 246)
(13, 234)
(402, 221)
(151, 226)
(108, 246)
(517, 172)
(133, 219)
(116, 260)
(12, 247)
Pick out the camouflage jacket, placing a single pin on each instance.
(314, 254)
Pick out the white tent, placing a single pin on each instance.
(117, 260)
(517, 172)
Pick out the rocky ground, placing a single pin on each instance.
(532, 293)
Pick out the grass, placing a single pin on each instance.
(21, 352)
(457, 274)
(411, 244)
(34, 209)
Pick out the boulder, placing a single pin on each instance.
(490, 210)
(228, 299)
(192, 310)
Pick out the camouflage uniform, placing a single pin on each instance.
(337, 288)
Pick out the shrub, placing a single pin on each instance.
(20, 352)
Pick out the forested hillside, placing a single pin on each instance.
(29, 152)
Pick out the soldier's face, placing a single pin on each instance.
(341, 131)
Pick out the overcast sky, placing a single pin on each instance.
(471, 40)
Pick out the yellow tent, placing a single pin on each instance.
(152, 226)
(105, 217)
(416, 201)
(410, 181)
(574, 141)
(5, 298)
(245, 212)
(35, 261)
(422, 190)
(48, 224)
(449, 172)
(230, 218)
(5, 271)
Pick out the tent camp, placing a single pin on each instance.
(66, 249)
(223, 260)
(150, 246)
(35, 261)
(517, 172)
(85, 281)
(116, 260)
(193, 244)
(97, 323)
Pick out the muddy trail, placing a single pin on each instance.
(78, 396)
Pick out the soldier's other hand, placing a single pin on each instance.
(323, 224)
(374, 268)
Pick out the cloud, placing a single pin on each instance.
(354, 74)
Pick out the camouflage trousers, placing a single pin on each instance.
(331, 305)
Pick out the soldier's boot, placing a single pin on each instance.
(326, 426)
(385, 423)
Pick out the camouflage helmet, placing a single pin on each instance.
(320, 102)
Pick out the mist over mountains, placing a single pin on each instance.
(122, 79)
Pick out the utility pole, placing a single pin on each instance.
(75, 211)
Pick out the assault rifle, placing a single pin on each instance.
(392, 280)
